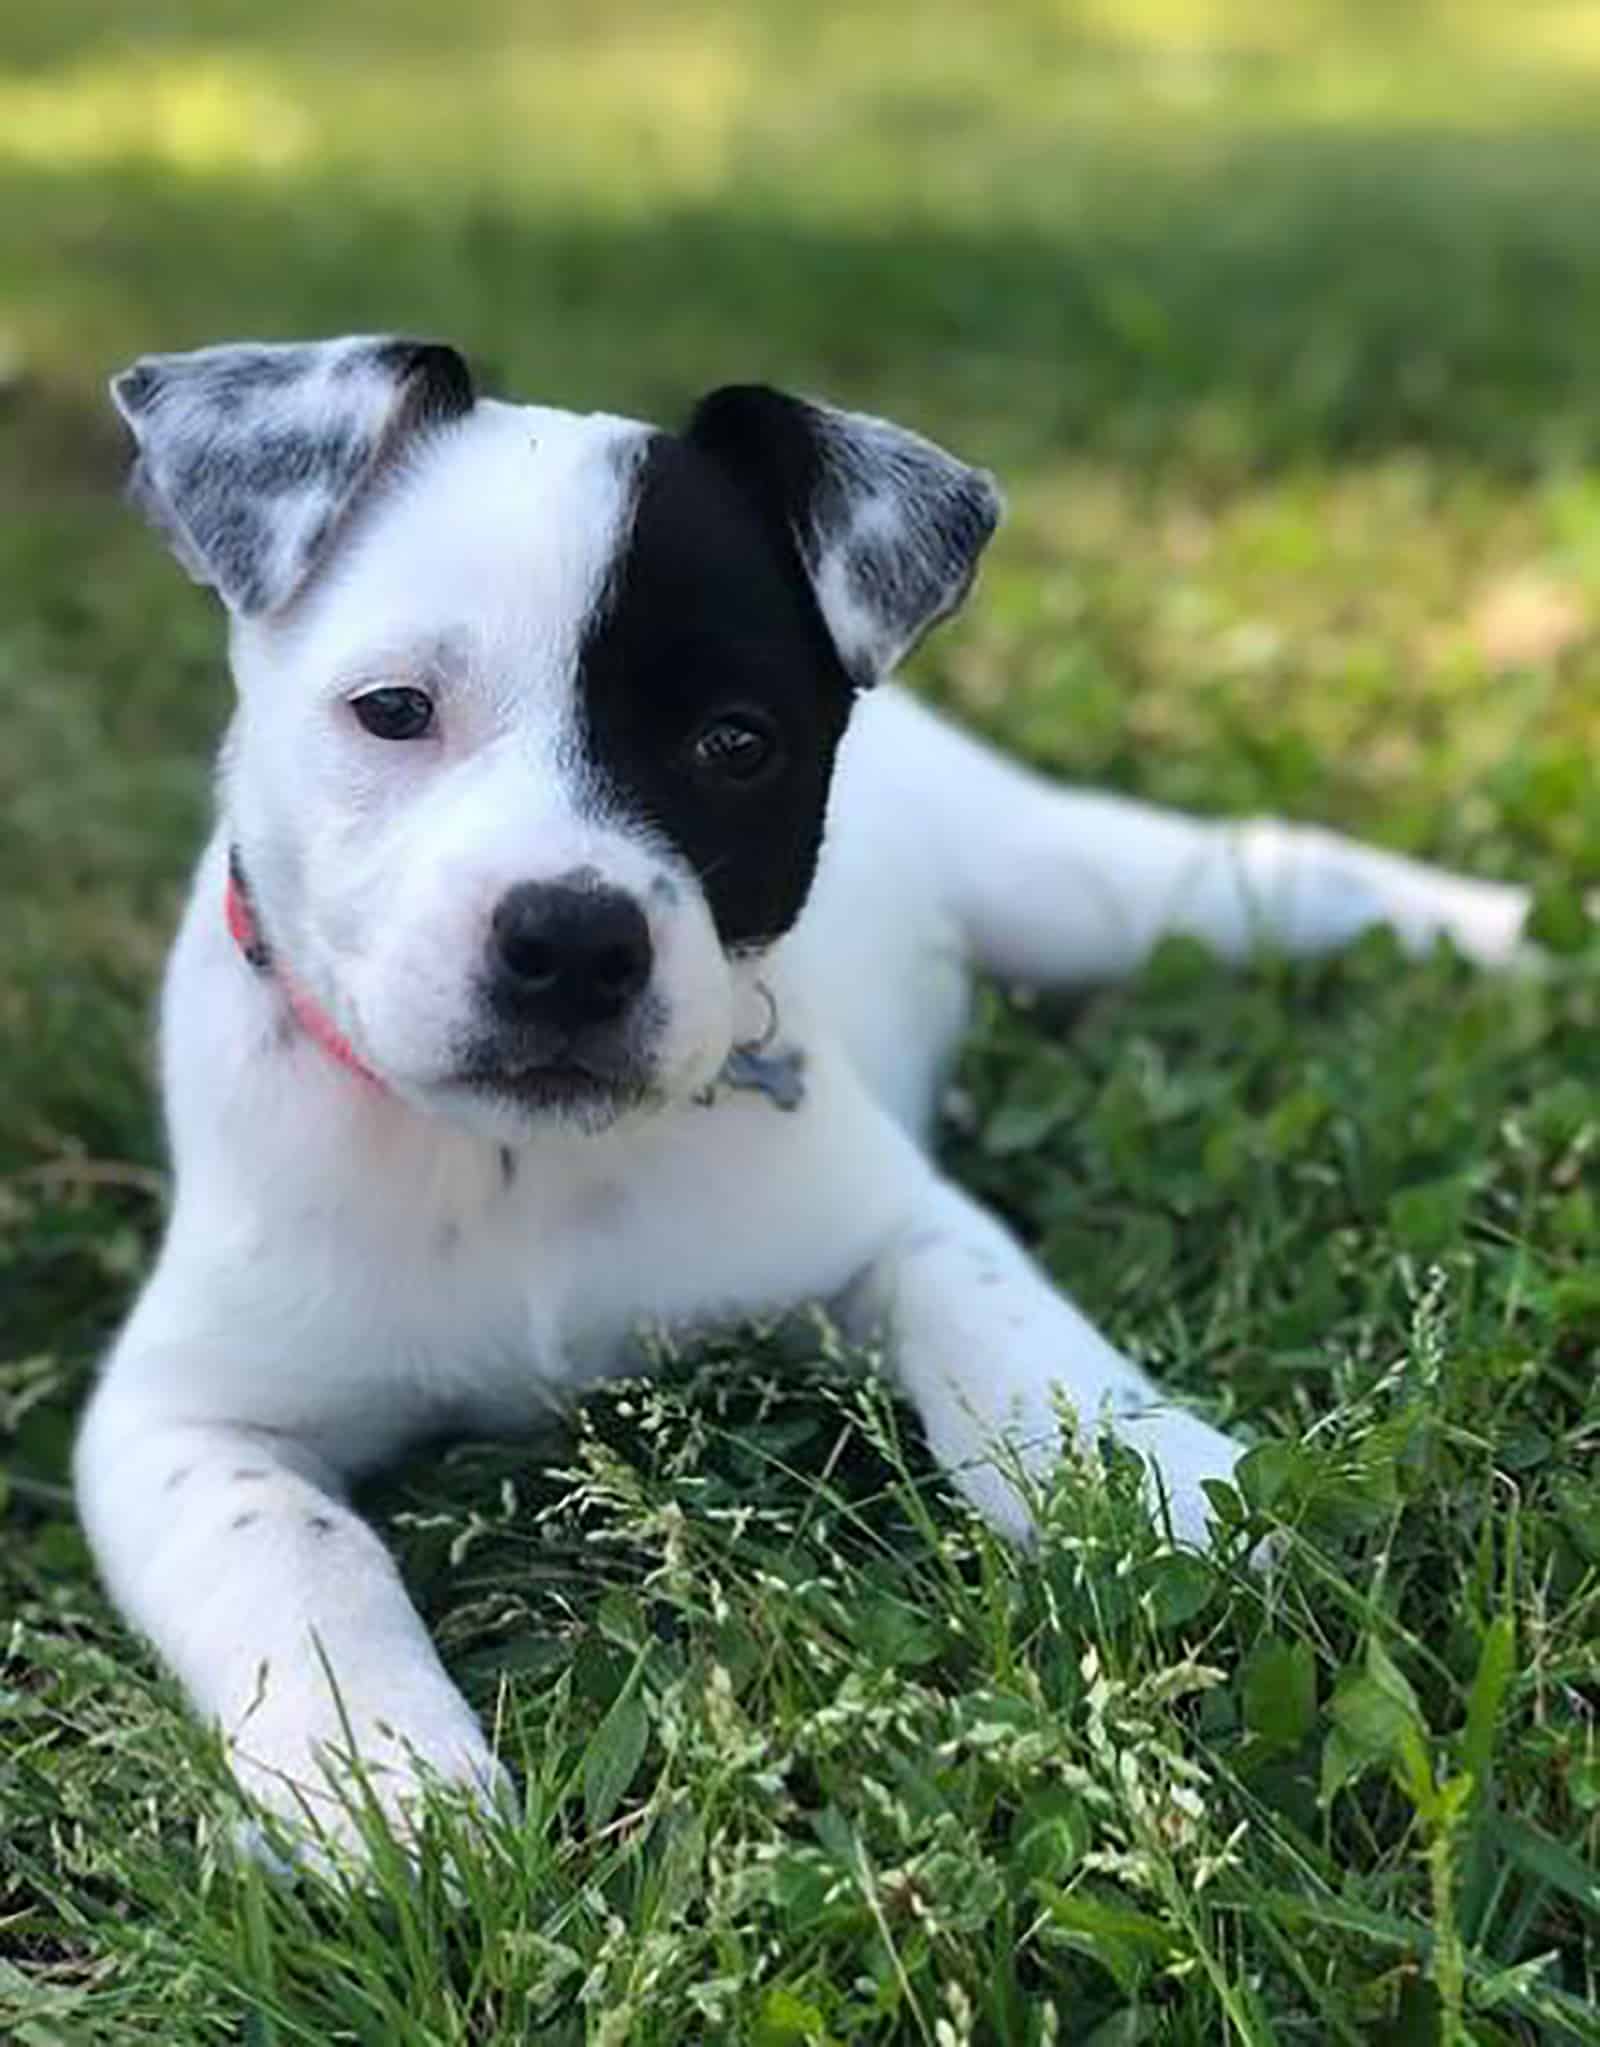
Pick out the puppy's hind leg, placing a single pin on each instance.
(1066, 887)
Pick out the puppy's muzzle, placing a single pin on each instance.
(567, 958)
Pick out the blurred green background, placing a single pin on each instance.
(1279, 322)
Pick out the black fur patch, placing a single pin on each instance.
(436, 377)
(710, 611)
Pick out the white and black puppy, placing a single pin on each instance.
(583, 939)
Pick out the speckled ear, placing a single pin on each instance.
(887, 527)
(248, 457)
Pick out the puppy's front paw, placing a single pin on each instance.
(316, 1768)
(1181, 1453)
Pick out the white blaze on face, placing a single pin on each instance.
(473, 574)
(634, 655)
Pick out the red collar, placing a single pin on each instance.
(313, 1020)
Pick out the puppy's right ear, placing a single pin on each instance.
(249, 458)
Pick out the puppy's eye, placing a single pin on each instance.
(738, 747)
(394, 713)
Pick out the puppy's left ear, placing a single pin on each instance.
(887, 527)
(249, 458)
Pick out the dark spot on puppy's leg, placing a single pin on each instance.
(319, 1524)
(250, 1471)
(508, 1166)
(243, 1520)
(176, 1478)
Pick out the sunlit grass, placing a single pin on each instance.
(208, 112)
(628, 108)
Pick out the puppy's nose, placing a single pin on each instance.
(566, 954)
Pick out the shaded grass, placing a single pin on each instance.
(1280, 328)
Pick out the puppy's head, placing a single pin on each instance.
(537, 710)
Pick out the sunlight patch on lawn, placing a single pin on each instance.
(196, 112)
(841, 112)
(647, 114)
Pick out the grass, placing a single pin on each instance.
(1280, 325)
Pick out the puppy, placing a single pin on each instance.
(585, 932)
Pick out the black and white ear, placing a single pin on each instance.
(888, 528)
(249, 457)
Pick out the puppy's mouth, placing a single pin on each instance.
(568, 1083)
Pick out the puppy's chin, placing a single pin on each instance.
(512, 1108)
(500, 1089)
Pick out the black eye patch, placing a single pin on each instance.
(709, 626)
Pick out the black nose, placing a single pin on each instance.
(567, 954)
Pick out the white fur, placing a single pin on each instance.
(451, 585)
(348, 1266)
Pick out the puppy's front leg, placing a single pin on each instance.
(986, 1348)
(231, 1548)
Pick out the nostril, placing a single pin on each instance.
(616, 968)
(535, 961)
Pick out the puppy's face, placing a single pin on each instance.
(537, 766)
(538, 711)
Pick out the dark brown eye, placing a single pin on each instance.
(738, 747)
(394, 713)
